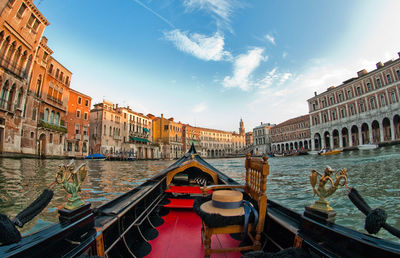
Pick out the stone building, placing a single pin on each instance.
(137, 136)
(362, 110)
(21, 27)
(261, 139)
(169, 135)
(119, 131)
(77, 122)
(249, 139)
(215, 143)
(105, 129)
(291, 135)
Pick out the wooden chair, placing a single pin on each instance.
(257, 171)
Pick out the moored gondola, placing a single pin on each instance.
(157, 219)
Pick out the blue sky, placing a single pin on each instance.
(211, 62)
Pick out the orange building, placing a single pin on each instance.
(21, 27)
(77, 121)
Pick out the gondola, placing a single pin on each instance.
(157, 219)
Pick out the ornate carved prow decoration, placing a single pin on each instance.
(321, 207)
(77, 176)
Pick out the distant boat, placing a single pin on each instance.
(96, 156)
(367, 146)
(313, 152)
(330, 152)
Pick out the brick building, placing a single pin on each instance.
(291, 135)
(77, 122)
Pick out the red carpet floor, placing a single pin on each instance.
(180, 236)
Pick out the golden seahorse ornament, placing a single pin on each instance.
(321, 190)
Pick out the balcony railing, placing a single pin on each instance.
(78, 137)
(49, 97)
(47, 125)
(19, 71)
(86, 138)
(5, 104)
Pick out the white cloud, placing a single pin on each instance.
(284, 55)
(243, 67)
(198, 45)
(200, 107)
(270, 38)
(222, 9)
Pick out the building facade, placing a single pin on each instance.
(168, 134)
(77, 122)
(249, 139)
(21, 27)
(120, 132)
(291, 135)
(362, 110)
(261, 139)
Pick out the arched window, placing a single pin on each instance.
(110, 130)
(52, 117)
(11, 96)
(105, 130)
(46, 115)
(34, 114)
(383, 100)
(372, 103)
(4, 47)
(57, 120)
(38, 85)
(3, 97)
(19, 98)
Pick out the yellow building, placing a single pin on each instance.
(169, 135)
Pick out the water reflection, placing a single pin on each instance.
(374, 173)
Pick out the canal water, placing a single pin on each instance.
(374, 173)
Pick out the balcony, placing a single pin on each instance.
(117, 138)
(5, 105)
(18, 71)
(77, 137)
(86, 138)
(47, 125)
(59, 102)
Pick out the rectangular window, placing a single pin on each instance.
(77, 129)
(398, 74)
(349, 95)
(35, 25)
(85, 116)
(79, 100)
(21, 11)
(393, 96)
(78, 114)
(369, 86)
(86, 102)
(340, 97)
(389, 79)
(31, 20)
(362, 109)
(378, 82)
(359, 91)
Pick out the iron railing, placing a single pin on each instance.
(19, 71)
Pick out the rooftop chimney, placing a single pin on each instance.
(315, 93)
(379, 65)
(362, 72)
(116, 106)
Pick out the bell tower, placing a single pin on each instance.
(241, 127)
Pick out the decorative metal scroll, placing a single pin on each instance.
(67, 173)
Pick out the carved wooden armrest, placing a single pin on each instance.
(205, 189)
